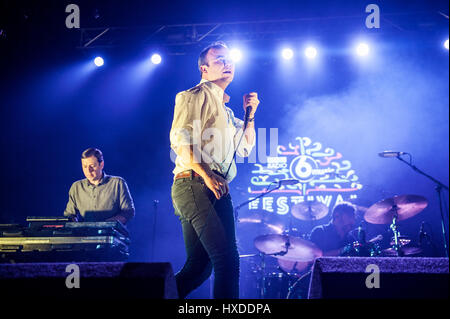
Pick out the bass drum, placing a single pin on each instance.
(251, 279)
(286, 286)
(294, 266)
(276, 285)
(300, 287)
(299, 278)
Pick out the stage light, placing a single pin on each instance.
(235, 55)
(156, 58)
(446, 44)
(362, 49)
(310, 52)
(99, 61)
(287, 54)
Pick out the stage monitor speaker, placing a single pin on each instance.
(112, 280)
(379, 277)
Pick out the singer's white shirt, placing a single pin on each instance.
(202, 119)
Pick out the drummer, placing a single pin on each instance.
(332, 238)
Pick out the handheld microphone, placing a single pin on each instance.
(248, 110)
(387, 154)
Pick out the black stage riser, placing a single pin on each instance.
(97, 280)
(345, 277)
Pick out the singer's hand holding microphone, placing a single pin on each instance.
(251, 103)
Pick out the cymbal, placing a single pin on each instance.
(253, 224)
(407, 251)
(287, 247)
(261, 222)
(309, 210)
(407, 207)
(248, 255)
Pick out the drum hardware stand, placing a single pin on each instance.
(262, 290)
(423, 235)
(438, 188)
(312, 218)
(395, 231)
(361, 234)
(288, 231)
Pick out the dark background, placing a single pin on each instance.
(54, 104)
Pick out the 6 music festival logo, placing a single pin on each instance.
(323, 174)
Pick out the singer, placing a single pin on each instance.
(205, 137)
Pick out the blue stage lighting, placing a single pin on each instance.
(362, 49)
(287, 54)
(235, 55)
(446, 44)
(99, 61)
(156, 58)
(310, 52)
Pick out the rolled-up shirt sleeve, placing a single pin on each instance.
(190, 116)
(71, 208)
(127, 209)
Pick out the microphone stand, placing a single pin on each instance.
(262, 288)
(423, 235)
(253, 199)
(439, 186)
(155, 206)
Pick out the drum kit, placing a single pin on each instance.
(296, 254)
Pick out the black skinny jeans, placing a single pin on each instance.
(209, 237)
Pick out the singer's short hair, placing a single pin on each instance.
(93, 152)
(344, 208)
(202, 57)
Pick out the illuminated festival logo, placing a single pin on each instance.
(323, 174)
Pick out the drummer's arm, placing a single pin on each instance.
(337, 252)
(318, 238)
